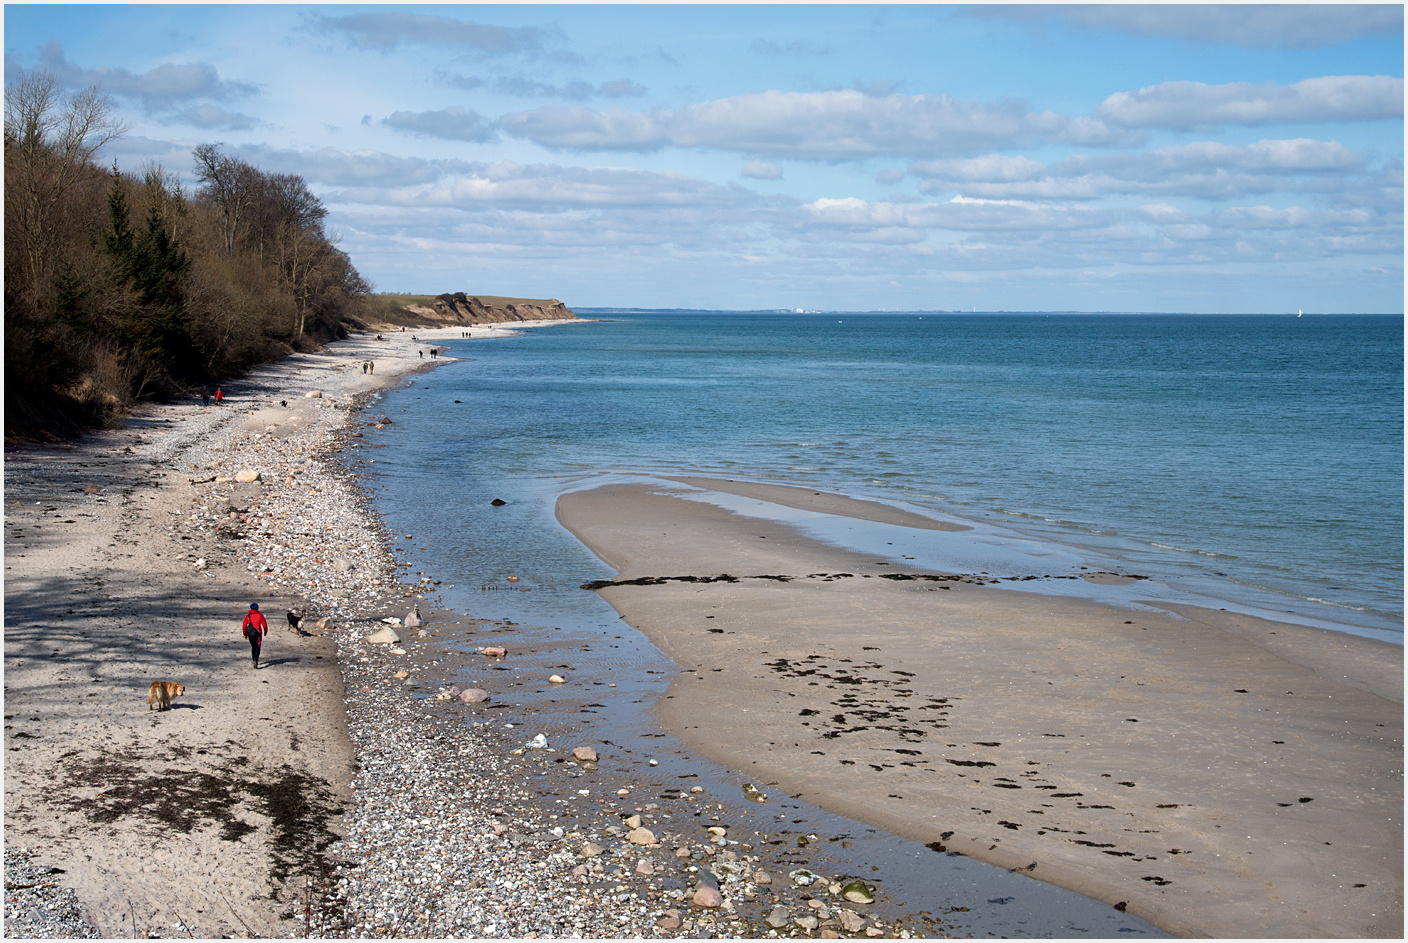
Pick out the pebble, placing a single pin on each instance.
(446, 833)
(36, 907)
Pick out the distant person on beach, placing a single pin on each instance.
(371, 366)
(219, 397)
(255, 628)
(364, 366)
(420, 354)
(205, 396)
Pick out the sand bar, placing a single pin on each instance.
(1216, 774)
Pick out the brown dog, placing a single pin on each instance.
(161, 693)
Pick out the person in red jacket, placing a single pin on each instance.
(255, 628)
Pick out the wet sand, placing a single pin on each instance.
(1217, 774)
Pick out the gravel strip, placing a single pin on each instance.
(36, 906)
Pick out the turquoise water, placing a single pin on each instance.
(1256, 461)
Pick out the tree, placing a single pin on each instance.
(49, 147)
(231, 184)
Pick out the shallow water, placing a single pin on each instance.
(1253, 460)
(1252, 463)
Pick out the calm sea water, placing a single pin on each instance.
(1253, 460)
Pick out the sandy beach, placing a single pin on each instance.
(1216, 774)
(345, 788)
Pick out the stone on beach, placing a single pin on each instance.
(585, 754)
(633, 822)
(708, 897)
(493, 651)
(557, 679)
(386, 636)
(857, 892)
(851, 922)
(313, 394)
(473, 696)
(641, 836)
(246, 475)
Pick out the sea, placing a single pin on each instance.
(1249, 462)
(1253, 463)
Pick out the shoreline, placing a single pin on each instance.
(329, 793)
(983, 667)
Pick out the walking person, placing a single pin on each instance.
(372, 365)
(255, 628)
(205, 396)
(219, 397)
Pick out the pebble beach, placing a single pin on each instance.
(352, 790)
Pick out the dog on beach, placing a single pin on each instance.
(161, 693)
(295, 616)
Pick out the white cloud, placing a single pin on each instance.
(1263, 26)
(1183, 105)
(161, 87)
(338, 167)
(832, 125)
(453, 124)
(559, 127)
(761, 170)
(214, 118)
(509, 184)
(388, 30)
(1206, 169)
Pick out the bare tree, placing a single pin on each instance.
(50, 143)
(231, 184)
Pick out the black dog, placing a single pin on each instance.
(294, 618)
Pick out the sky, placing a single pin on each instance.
(838, 157)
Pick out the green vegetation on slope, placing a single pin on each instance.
(121, 288)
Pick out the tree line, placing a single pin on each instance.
(122, 287)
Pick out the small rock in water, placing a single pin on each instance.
(762, 877)
(586, 755)
(633, 821)
(645, 867)
(493, 652)
(857, 892)
(557, 679)
(708, 897)
(778, 918)
(473, 696)
(806, 923)
(641, 836)
(591, 850)
(497, 502)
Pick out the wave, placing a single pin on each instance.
(1201, 553)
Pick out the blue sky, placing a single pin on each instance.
(1097, 158)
